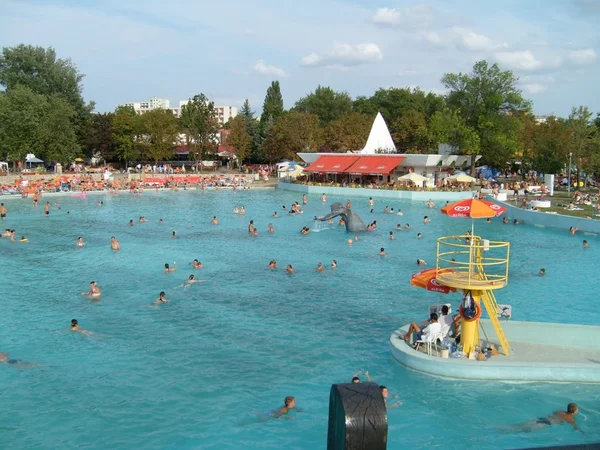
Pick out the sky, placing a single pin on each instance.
(132, 50)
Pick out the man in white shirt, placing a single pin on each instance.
(430, 329)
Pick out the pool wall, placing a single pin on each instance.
(543, 219)
(575, 336)
(376, 193)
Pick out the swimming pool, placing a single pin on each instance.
(201, 370)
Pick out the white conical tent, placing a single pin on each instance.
(379, 138)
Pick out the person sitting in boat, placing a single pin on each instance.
(429, 329)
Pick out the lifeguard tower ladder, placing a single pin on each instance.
(478, 266)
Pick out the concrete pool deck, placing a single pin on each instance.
(540, 351)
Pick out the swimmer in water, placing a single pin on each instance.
(94, 290)
(488, 220)
(243, 210)
(290, 269)
(558, 417)
(323, 198)
(160, 222)
(386, 209)
(191, 280)
(130, 222)
(399, 227)
(17, 363)
(289, 403)
(542, 272)
(214, 220)
(407, 226)
(334, 264)
(320, 268)
(142, 219)
(251, 227)
(236, 210)
(2, 211)
(426, 219)
(430, 204)
(162, 298)
(169, 269)
(585, 244)
(23, 239)
(114, 244)
(382, 252)
(304, 200)
(419, 235)
(271, 228)
(392, 237)
(386, 395)
(272, 264)
(75, 327)
(197, 264)
(371, 202)
(504, 220)
(399, 213)
(174, 234)
(421, 262)
(80, 242)
(275, 214)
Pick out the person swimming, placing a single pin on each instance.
(290, 269)
(320, 268)
(130, 222)
(214, 220)
(271, 228)
(392, 237)
(94, 290)
(289, 403)
(191, 280)
(558, 417)
(382, 252)
(272, 264)
(80, 242)
(169, 269)
(334, 264)
(114, 244)
(162, 298)
(197, 264)
(75, 327)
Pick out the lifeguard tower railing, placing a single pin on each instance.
(470, 262)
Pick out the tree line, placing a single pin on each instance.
(42, 111)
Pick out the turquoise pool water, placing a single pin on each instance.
(200, 371)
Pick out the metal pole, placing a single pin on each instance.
(569, 185)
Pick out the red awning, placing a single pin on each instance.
(332, 164)
(374, 165)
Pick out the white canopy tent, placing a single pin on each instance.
(3, 166)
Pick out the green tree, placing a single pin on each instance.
(350, 132)
(59, 140)
(21, 123)
(159, 133)
(552, 142)
(584, 135)
(410, 133)
(239, 138)
(326, 103)
(100, 140)
(40, 70)
(490, 103)
(200, 126)
(125, 132)
(253, 130)
(291, 133)
(394, 102)
(272, 106)
(449, 127)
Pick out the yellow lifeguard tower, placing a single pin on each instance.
(478, 267)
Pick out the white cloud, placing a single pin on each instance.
(474, 41)
(463, 38)
(519, 60)
(262, 68)
(582, 57)
(535, 88)
(344, 55)
(412, 17)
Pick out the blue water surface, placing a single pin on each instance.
(200, 371)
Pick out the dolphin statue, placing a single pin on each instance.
(353, 223)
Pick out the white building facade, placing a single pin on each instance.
(222, 113)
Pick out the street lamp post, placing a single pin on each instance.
(569, 185)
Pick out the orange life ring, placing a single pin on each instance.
(477, 315)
